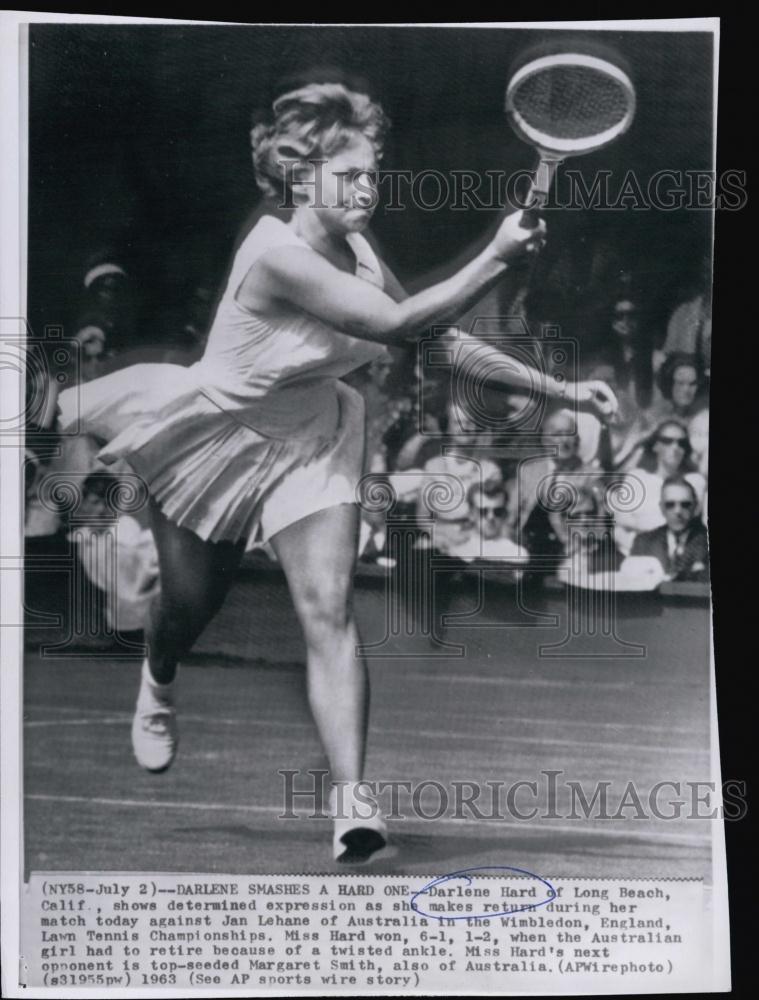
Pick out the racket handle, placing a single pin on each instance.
(540, 188)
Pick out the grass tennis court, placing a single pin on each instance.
(502, 712)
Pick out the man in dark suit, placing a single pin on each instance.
(680, 545)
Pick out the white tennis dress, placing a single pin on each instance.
(257, 434)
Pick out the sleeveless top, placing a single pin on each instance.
(276, 370)
(257, 434)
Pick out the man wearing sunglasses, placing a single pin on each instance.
(488, 535)
(680, 544)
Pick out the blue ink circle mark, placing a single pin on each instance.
(464, 874)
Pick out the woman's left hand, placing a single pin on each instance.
(597, 397)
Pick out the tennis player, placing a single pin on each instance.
(260, 440)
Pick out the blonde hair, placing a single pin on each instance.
(312, 122)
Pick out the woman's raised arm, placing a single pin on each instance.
(309, 281)
(360, 309)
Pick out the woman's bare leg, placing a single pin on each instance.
(195, 578)
(318, 555)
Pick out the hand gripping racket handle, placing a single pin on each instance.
(540, 188)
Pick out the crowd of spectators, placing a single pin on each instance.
(619, 505)
(599, 505)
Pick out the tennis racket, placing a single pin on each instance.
(566, 104)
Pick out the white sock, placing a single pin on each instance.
(345, 805)
(161, 691)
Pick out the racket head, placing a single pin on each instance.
(570, 102)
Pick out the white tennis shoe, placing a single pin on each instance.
(154, 728)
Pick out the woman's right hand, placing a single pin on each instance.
(597, 397)
(512, 239)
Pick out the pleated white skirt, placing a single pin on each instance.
(222, 473)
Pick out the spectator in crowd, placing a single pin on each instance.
(199, 313)
(448, 477)
(666, 453)
(561, 439)
(190, 325)
(489, 536)
(689, 330)
(626, 348)
(41, 521)
(108, 302)
(424, 441)
(680, 544)
(571, 529)
(372, 540)
(92, 352)
(432, 394)
(384, 407)
(76, 453)
(105, 331)
(104, 280)
(699, 439)
(434, 416)
(681, 380)
(386, 410)
(624, 359)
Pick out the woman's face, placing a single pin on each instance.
(684, 385)
(560, 433)
(624, 319)
(343, 189)
(92, 506)
(671, 447)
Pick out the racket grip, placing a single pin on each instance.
(530, 218)
(540, 187)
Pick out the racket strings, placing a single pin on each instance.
(570, 102)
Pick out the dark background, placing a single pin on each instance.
(139, 140)
(732, 468)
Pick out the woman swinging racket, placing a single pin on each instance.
(261, 441)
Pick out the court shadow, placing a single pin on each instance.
(297, 833)
(427, 852)
(435, 851)
(303, 848)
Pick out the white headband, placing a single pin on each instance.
(100, 270)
